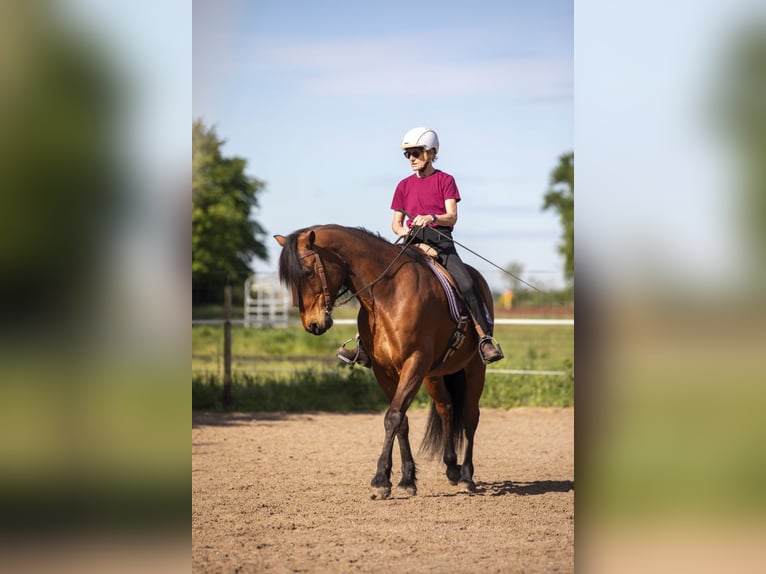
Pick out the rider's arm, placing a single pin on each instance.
(398, 225)
(448, 219)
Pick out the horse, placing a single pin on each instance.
(405, 326)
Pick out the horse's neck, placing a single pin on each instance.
(366, 262)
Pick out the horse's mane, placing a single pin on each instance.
(291, 271)
(371, 234)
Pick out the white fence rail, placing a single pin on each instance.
(499, 321)
(353, 321)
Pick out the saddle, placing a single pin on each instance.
(457, 306)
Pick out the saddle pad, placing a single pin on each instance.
(457, 307)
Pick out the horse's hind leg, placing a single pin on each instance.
(466, 469)
(409, 480)
(450, 454)
(475, 385)
(444, 432)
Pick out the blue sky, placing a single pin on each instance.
(316, 96)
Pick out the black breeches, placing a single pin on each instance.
(449, 258)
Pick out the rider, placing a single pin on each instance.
(430, 196)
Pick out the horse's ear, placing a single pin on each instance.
(281, 239)
(312, 237)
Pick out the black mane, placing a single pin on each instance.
(370, 234)
(291, 270)
(290, 267)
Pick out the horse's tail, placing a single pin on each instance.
(433, 440)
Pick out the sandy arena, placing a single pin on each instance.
(290, 493)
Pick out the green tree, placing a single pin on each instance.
(61, 170)
(560, 197)
(514, 270)
(741, 99)
(224, 236)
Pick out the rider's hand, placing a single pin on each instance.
(422, 221)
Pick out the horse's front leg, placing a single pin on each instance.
(381, 482)
(409, 480)
(409, 382)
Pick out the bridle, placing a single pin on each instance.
(328, 303)
(328, 300)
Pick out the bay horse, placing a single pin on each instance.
(405, 326)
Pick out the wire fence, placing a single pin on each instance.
(534, 347)
(256, 331)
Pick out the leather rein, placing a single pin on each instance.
(330, 303)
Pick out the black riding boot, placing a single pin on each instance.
(489, 348)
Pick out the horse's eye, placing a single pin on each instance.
(309, 272)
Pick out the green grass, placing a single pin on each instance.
(544, 348)
(355, 389)
(287, 369)
(343, 390)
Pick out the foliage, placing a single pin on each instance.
(355, 389)
(742, 110)
(526, 298)
(537, 347)
(224, 237)
(340, 390)
(61, 171)
(503, 391)
(291, 370)
(560, 197)
(514, 271)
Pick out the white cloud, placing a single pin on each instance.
(394, 68)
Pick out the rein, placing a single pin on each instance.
(330, 303)
(444, 236)
(379, 277)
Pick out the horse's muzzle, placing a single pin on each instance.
(317, 328)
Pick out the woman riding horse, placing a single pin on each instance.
(431, 195)
(405, 322)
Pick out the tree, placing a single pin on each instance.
(224, 237)
(514, 270)
(62, 174)
(560, 197)
(741, 106)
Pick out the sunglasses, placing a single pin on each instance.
(416, 153)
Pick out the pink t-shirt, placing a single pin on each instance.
(424, 196)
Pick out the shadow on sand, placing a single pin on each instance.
(523, 488)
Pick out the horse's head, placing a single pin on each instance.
(314, 274)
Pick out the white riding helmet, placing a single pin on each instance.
(421, 137)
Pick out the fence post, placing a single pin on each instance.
(227, 345)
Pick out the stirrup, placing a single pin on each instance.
(359, 356)
(492, 357)
(344, 354)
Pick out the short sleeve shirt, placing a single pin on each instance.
(422, 196)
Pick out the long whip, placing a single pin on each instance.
(479, 256)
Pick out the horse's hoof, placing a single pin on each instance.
(411, 490)
(380, 493)
(467, 486)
